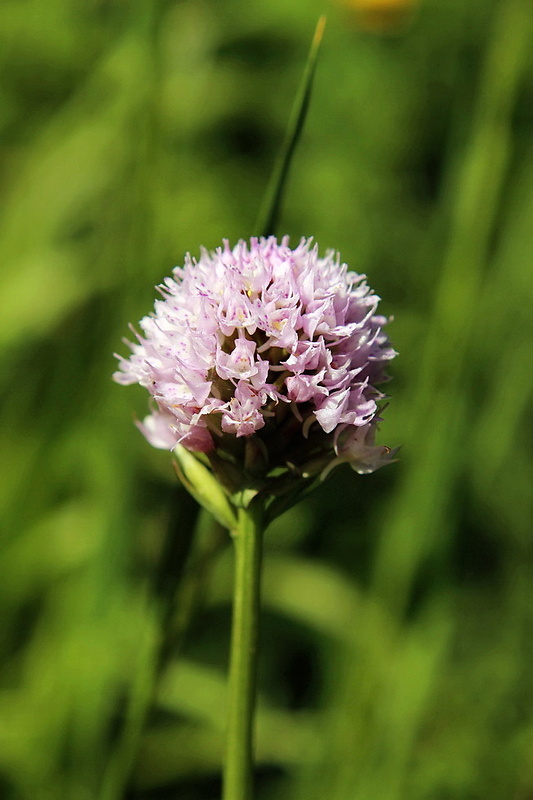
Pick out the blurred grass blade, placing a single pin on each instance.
(269, 214)
(412, 523)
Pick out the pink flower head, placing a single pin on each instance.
(268, 342)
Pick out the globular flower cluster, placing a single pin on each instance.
(265, 344)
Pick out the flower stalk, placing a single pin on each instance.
(238, 766)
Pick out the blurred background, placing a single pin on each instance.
(397, 654)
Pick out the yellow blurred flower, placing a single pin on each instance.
(381, 16)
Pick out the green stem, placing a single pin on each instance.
(238, 767)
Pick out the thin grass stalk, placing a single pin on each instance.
(267, 221)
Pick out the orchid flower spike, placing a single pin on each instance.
(264, 358)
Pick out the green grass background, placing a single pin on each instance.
(397, 652)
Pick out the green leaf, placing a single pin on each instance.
(204, 487)
(269, 214)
